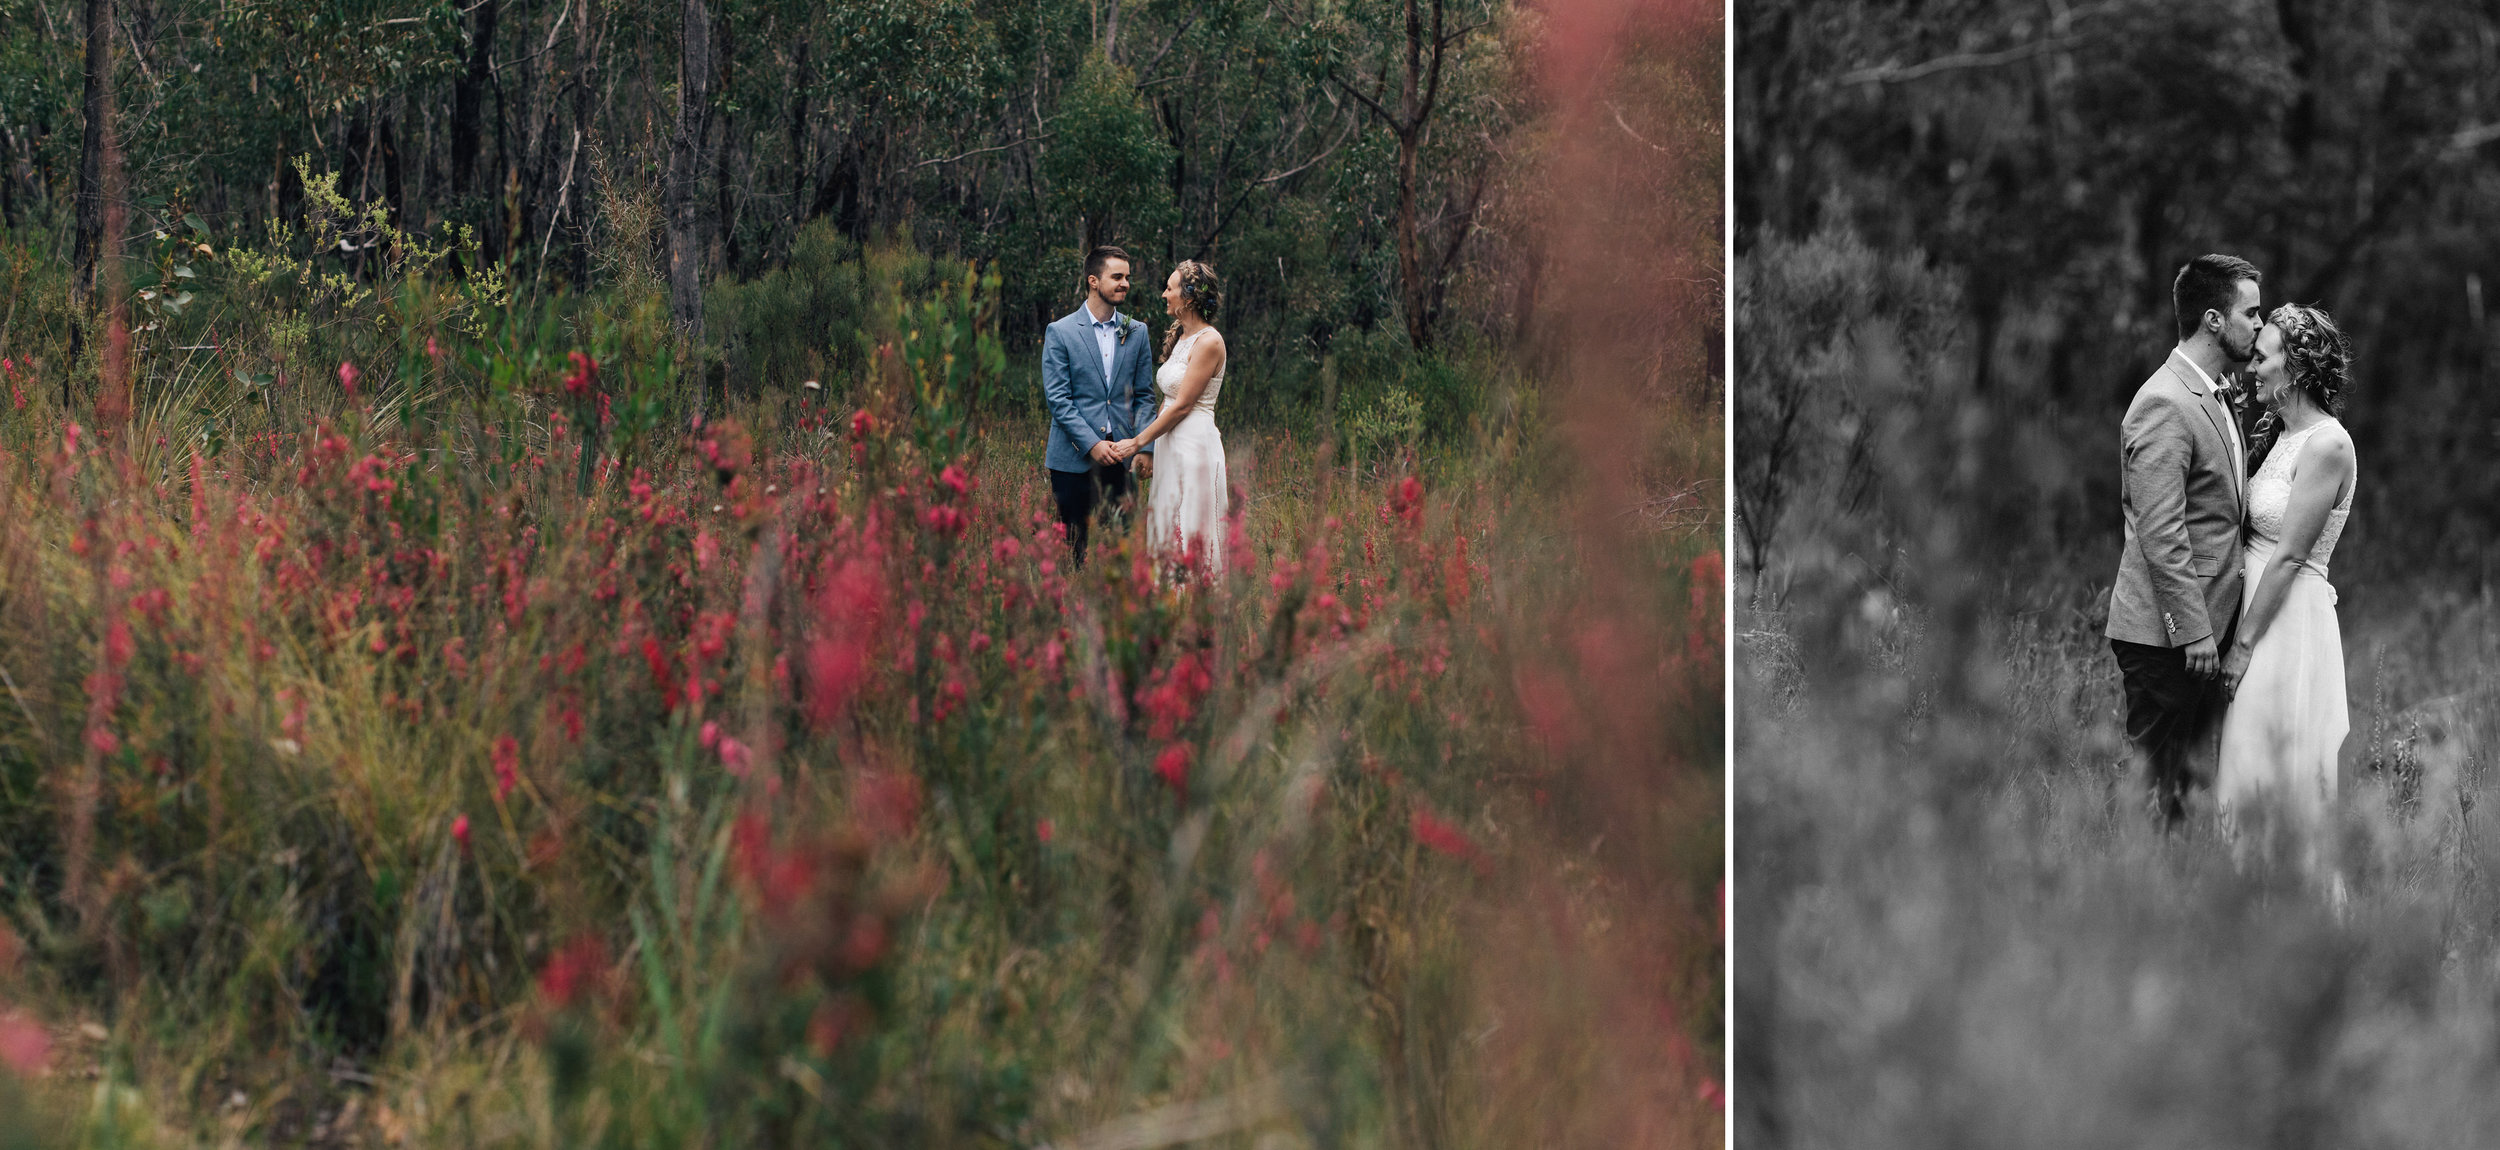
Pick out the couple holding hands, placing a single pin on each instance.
(1101, 381)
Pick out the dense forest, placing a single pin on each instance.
(1363, 168)
(2008, 186)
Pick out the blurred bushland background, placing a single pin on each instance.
(1956, 230)
(530, 616)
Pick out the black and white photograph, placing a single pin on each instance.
(2114, 519)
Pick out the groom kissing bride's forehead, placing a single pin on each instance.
(2183, 486)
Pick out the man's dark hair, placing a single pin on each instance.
(1103, 255)
(2208, 283)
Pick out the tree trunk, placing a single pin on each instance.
(99, 110)
(685, 170)
(468, 95)
(1410, 254)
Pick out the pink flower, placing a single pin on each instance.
(1042, 830)
(460, 831)
(1711, 1095)
(348, 375)
(709, 736)
(862, 423)
(585, 370)
(1440, 836)
(734, 757)
(118, 646)
(25, 1046)
(954, 479)
(104, 741)
(573, 968)
(507, 765)
(1172, 766)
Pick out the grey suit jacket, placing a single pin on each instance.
(2183, 493)
(1086, 406)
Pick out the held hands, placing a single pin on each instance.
(1110, 453)
(2234, 669)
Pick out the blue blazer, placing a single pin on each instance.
(1085, 407)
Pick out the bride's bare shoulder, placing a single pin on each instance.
(2331, 446)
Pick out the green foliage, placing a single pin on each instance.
(1107, 160)
(1810, 314)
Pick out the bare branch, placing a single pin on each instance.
(1368, 102)
(1627, 129)
(1960, 61)
(977, 152)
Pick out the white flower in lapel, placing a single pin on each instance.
(1127, 325)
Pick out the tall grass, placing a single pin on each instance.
(1961, 925)
(454, 743)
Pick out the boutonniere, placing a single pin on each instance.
(1127, 325)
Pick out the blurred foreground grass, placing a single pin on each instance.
(1960, 926)
(461, 749)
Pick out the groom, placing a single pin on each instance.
(1098, 374)
(2183, 481)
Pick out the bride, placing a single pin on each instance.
(2285, 670)
(1185, 508)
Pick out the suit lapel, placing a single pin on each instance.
(1088, 356)
(2206, 403)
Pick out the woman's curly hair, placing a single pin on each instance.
(2320, 356)
(1201, 291)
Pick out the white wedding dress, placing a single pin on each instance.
(2287, 719)
(1185, 511)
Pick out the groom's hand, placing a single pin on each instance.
(1145, 466)
(1106, 454)
(2202, 658)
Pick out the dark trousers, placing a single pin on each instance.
(1083, 494)
(2172, 720)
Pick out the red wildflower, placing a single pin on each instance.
(734, 757)
(118, 646)
(460, 831)
(1440, 836)
(954, 479)
(862, 423)
(1172, 766)
(1406, 501)
(1043, 830)
(709, 736)
(573, 968)
(25, 1046)
(507, 765)
(661, 679)
(945, 520)
(585, 370)
(348, 375)
(104, 741)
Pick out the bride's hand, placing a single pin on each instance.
(1125, 448)
(2234, 668)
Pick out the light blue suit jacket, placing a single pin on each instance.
(1085, 407)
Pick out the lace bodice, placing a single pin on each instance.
(1168, 377)
(2270, 499)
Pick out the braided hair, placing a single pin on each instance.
(1201, 291)
(2318, 359)
(2320, 356)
